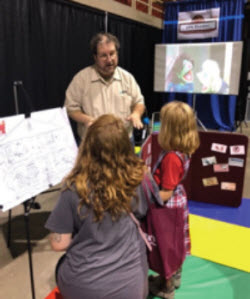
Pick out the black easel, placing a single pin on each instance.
(29, 203)
(27, 207)
(15, 84)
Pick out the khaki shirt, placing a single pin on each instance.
(90, 93)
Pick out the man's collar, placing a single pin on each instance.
(95, 76)
(116, 75)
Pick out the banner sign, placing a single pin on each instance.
(198, 24)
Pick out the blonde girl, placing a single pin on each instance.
(178, 138)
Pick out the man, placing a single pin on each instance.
(104, 88)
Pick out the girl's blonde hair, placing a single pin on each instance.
(107, 171)
(178, 129)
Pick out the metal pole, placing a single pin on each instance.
(196, 114)
(15, 99)
(9, 230)
(106, 22)
(15, 84)
(194, 101)
(27, 207)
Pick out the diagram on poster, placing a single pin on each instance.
(35, 154)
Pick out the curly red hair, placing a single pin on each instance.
(107, 171)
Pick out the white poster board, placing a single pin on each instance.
(35, 154)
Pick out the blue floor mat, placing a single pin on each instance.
(238, 216)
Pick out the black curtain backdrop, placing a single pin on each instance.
(137, 55)
(245, 68)
(45, 42)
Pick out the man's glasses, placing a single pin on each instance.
(105, 56)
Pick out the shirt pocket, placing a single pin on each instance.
(124, 104)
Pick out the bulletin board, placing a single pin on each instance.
(217, 168)
(234, 155)
(35, 154)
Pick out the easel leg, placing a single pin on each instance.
(241, 122)
(27, 206)
(201, 124)
(9, 230)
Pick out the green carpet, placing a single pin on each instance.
(202, 279)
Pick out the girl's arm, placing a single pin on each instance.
(60, 242)
(165, 194)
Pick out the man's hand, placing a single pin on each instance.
(135, 118)
(81, 117)
(89, 121)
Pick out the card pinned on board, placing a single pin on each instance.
(237, 150)
(220, 148)
(237, 162)
(230, 186)
(221, 168)
(212, 181)
(208, 160)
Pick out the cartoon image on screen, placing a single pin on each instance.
(210, 78)
(212, 68)
(180, 78)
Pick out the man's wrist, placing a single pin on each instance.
(88, 120)
(136, 114)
